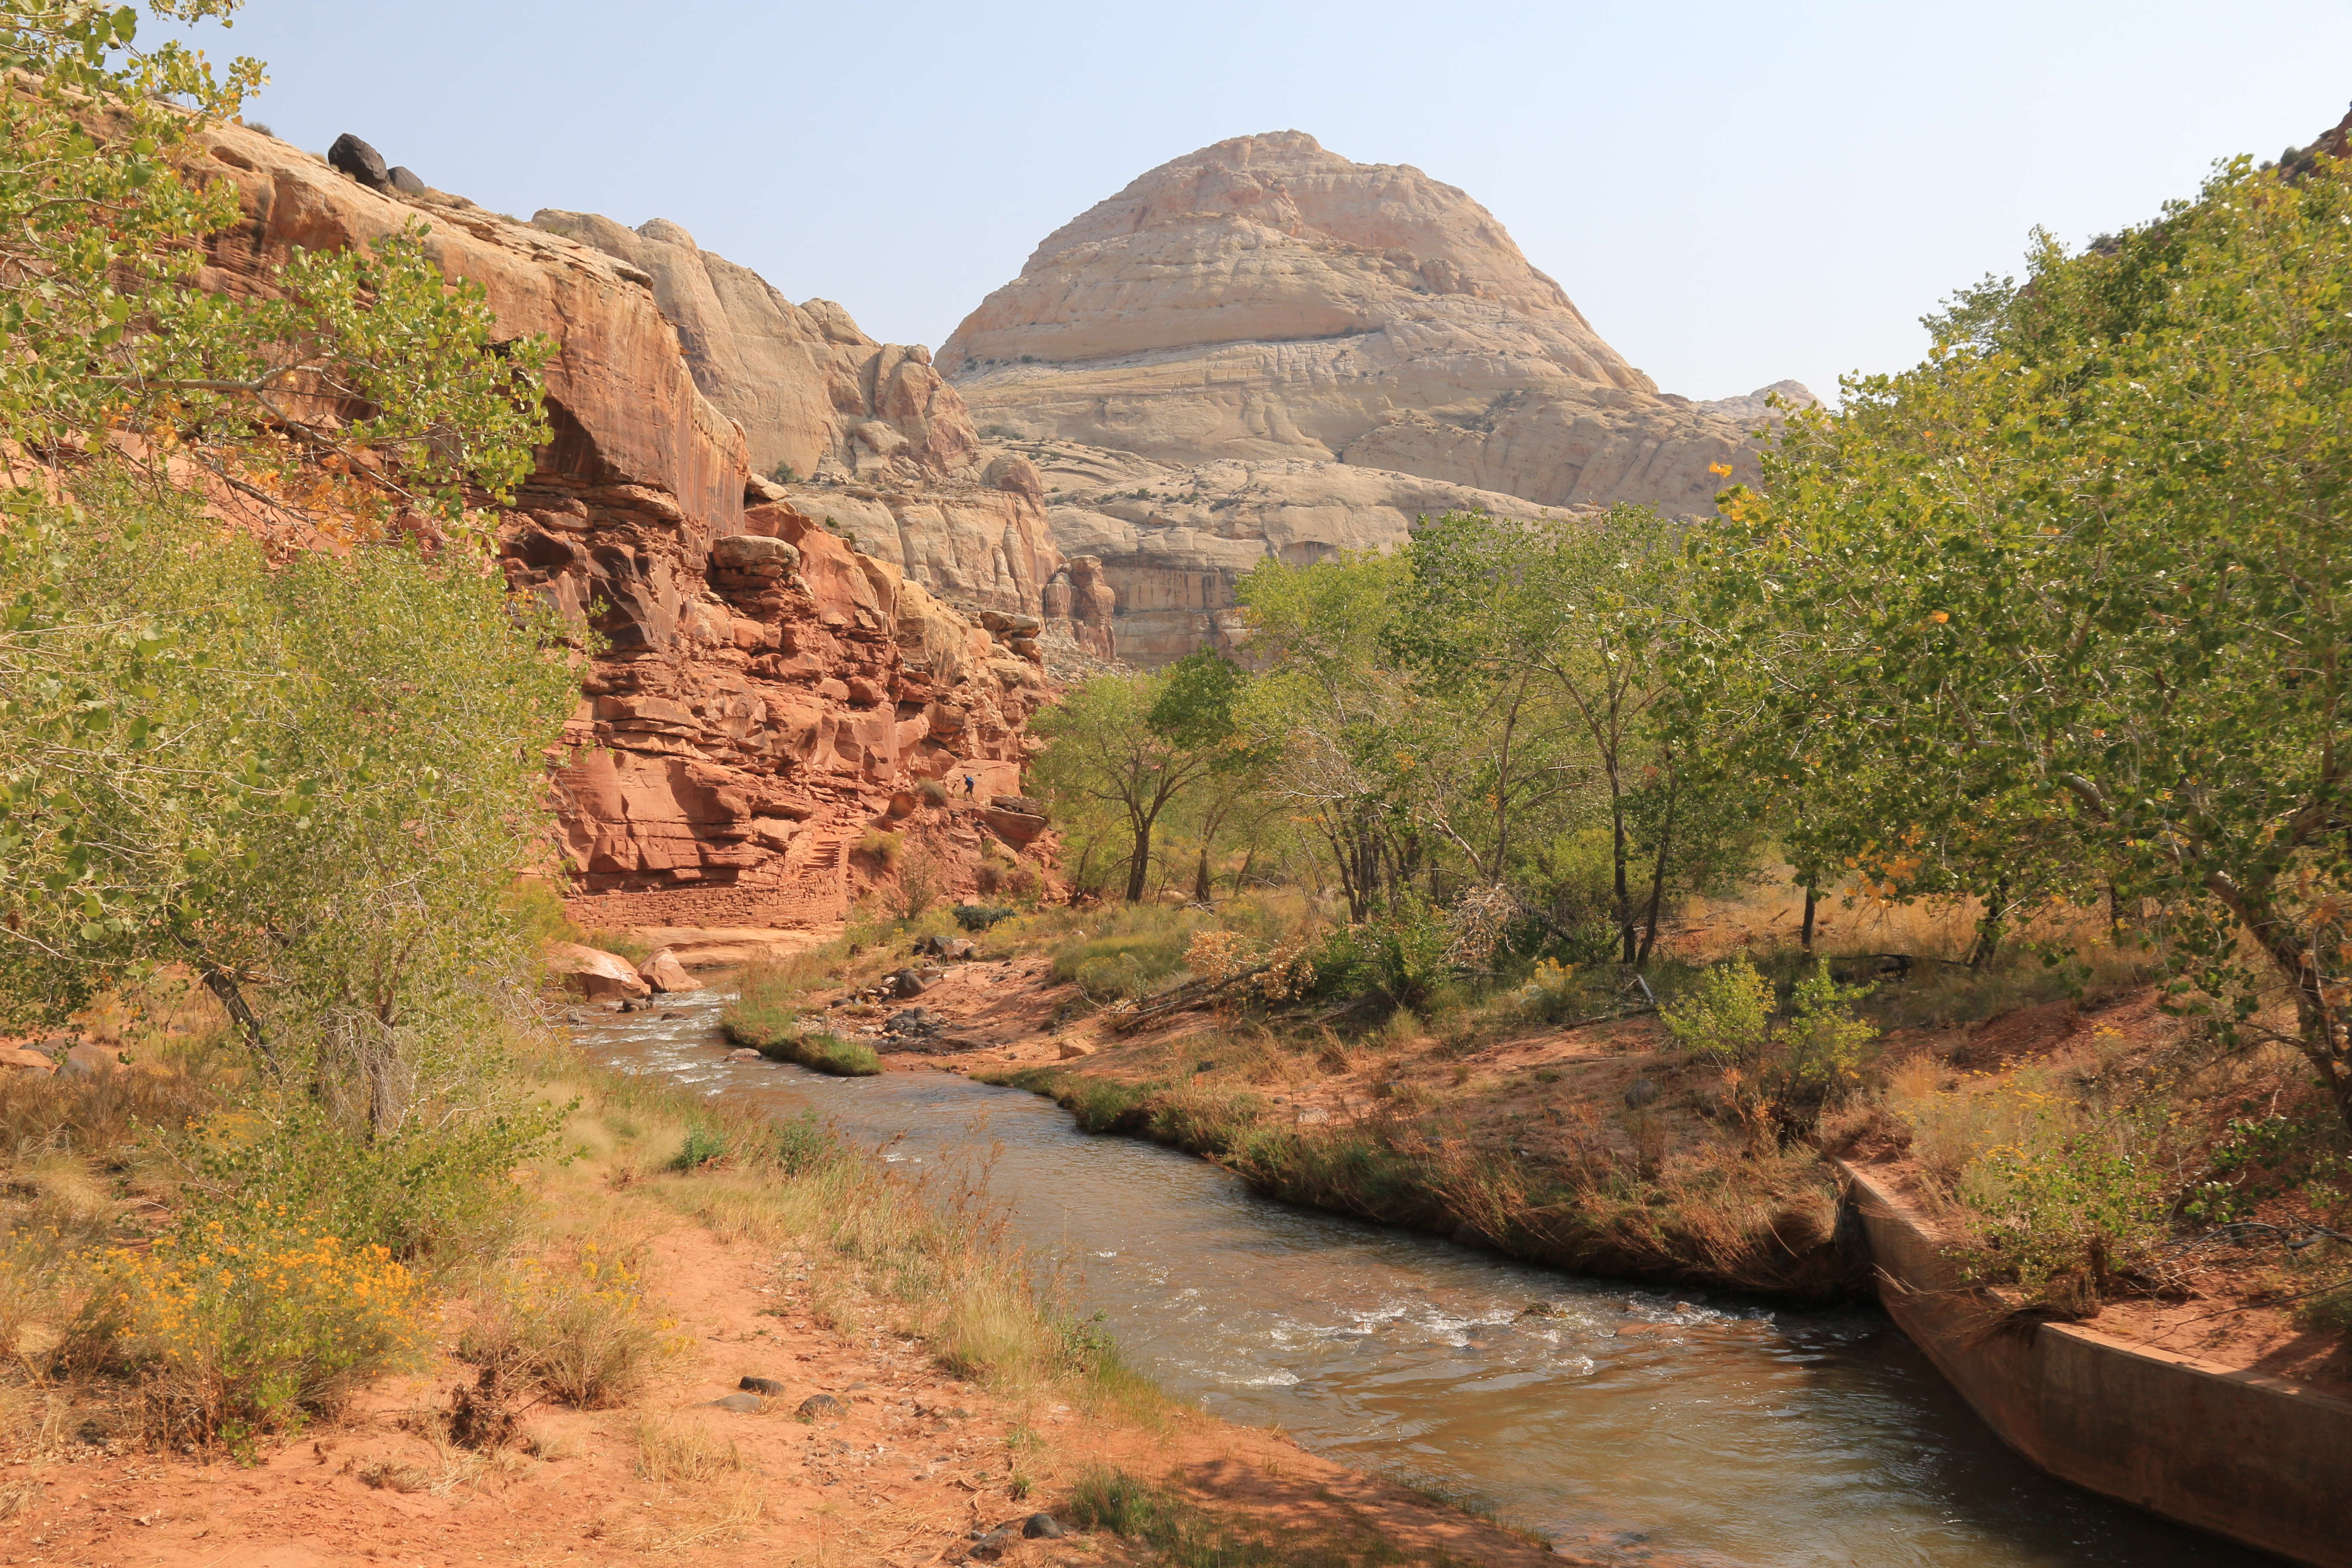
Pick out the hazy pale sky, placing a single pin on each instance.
(1732, 192)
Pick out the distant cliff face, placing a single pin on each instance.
(1264, 298)
(1264, 349)
(767, 694)
(864, 437)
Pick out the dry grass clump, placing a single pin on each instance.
(674, 1452)
(574, 1321)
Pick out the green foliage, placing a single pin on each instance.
(360, 384)
(1786, 1076)
(977, 918)
(2076, 1199)
(704, 1145)
(2067, 603)
(1127, 749)
(1399, 956)
(309, 780)
(1726, 1015)
(430, 1194)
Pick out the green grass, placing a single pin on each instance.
(812, 1048)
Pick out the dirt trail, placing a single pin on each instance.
(903, 1477)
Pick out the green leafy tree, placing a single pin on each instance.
(1584, 618)
(1136, 745)
(305, 774)
(2087, 569)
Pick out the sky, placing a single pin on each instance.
(1732, 193)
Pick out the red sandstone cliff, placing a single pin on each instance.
(766, 695)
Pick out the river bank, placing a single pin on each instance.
(920, 1395)
(1631, 1424)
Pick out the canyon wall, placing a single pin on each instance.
(864, 435)
(766, 696)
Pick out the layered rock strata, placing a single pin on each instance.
(767, 696)
(1170, 543)
(864, 435)
(1264, 298)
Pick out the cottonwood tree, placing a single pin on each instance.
(2092, 561)
(1136, 745)
(1585, 618)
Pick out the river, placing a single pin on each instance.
(1633, 1422)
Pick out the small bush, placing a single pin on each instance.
(704, 1145)
(1783, 1079)
(233, 1337)
(981, 917)
(1726, 1015)
(429, 1194)
(574, 1323)
(2078, 1197)
(921, 878)
(881, 848)
(1398, 957)
(931, 792)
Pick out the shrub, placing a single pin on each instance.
(235, 1336)
(427, 1194)
(2076, 1198)
(882, 848)
(1398, 957)
(980, 917)
(574, 1323)
(920, 878)
(704, 1145)
(1781, 1079)
(932, 793)
(1726, 1015)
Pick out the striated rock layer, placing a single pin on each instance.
(1171, 542)
(865, 435)
(769, 695)
(1265, 298)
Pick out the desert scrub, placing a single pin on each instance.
(233, 1337)
(1780, 1079)
(573, 1322)
(2078, 1198)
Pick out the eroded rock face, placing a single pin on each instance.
(1169, 544)
(767, 692)
(864, 437)
(1263, 300)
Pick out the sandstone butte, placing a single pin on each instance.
(768, 694)
(1264, 348)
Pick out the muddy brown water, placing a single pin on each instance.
(1634, 1424)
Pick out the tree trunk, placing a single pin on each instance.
(1200, 875)
(1623, 894)
(1138, 863)
(1812, 902)
(1658, 873)
(1989, 927)
(221, 984)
